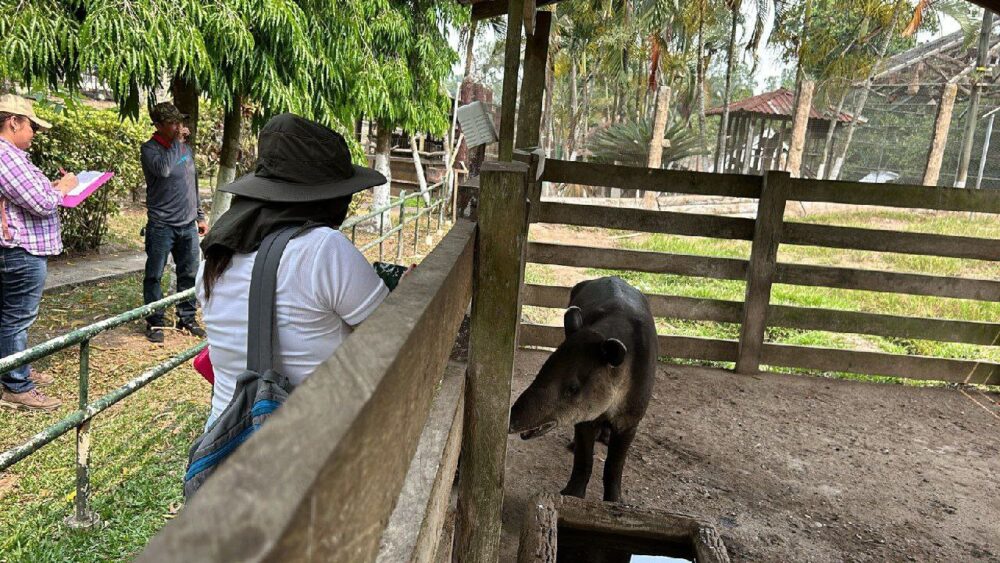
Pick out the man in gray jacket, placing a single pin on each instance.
(174, 217)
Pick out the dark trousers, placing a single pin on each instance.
(22, 278)
(181, 242)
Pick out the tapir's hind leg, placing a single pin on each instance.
(583, 459)
(615, 464)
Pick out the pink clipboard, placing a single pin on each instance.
(89, 181)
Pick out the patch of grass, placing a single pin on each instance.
(139, 445)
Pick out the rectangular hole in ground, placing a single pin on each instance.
(585, 546)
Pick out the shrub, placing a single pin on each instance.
(84, 138)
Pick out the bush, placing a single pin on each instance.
(84, 138)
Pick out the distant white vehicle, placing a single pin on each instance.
(880, 177)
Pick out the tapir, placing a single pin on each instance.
(601, 375)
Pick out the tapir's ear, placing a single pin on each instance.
(573, 320)
(613, 351)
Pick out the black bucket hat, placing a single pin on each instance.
(299, 160)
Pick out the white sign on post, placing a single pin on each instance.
(477, 125)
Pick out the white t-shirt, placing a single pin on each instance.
(325, 287)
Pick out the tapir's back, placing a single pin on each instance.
(609, 295)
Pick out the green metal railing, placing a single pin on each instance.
(80, 419)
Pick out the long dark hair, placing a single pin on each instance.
(217, 259)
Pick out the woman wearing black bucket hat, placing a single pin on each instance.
(304, 176)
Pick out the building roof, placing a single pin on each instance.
(779, 103)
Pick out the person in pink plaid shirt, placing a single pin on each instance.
(29, 234)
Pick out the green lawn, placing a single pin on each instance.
(139, 445)
(866, 301)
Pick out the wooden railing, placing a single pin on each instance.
(755, 312)
(359, 463)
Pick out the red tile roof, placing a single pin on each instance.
(780, 102)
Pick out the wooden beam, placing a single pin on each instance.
(942, 123)
(689, 224)
(259, 507)
(414, 529)
(803, 318)
(888, 282)
(895, 195)
(637, 261)
(684, 347)
(763, 259)
(496, 310)
(878, 240)
(876, 363)
(512, 66)
(639, 178)
(800, 124)
(536, 53)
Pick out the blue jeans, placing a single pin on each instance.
(22, 279)
(161, 241)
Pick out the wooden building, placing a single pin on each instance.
(759, 133)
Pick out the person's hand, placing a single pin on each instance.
(202, 228)
(66, 184)
(183, 133)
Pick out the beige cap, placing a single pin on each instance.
(11, 103)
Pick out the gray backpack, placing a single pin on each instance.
(259, 390)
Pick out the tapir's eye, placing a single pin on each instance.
(572, 389)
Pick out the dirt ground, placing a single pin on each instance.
(793, 468)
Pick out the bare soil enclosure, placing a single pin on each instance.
(794, 468)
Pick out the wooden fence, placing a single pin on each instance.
(766, 232)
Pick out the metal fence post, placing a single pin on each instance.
(83, 517)
(381, 227)
(416, 227)
(402, 219)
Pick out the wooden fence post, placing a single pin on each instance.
(496, 311)
(760, 272)
(536, 54)
(512, 65)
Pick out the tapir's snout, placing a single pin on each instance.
(530, 417)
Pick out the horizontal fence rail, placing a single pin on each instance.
(773, 190)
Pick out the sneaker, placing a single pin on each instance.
(41, 379)
(191, 327)
(154, 334)
(33, 400)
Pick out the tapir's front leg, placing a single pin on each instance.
(615, 464)
(583, 459)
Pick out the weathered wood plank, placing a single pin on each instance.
(360, 413)
(639, 261)
(805, 318)
(624, 218)
(687, 347)
(763, 258)
(539, 531)
(895, 195)
(638, 178)
(888, 282)
(414, 529)
(536, 52)
(665, 306)
(942, 123)
(631, 521)
(496, 310)
(512, 67)
(876, 363)
(879, 240)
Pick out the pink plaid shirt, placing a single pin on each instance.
(28, 203)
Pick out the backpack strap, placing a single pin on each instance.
(262, 335)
